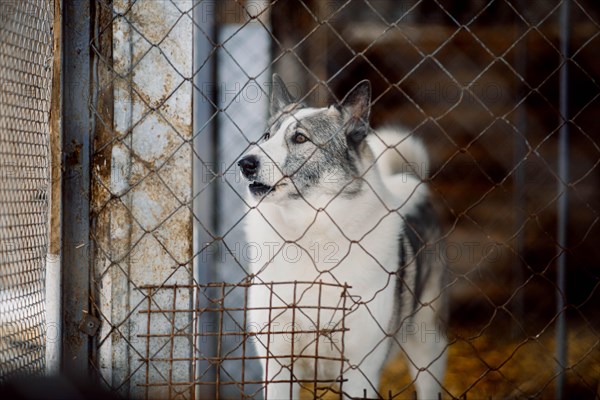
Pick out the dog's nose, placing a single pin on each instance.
(249, 165)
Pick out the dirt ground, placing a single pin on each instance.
(495, 366)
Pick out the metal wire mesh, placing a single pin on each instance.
(241, 333)
(25, 86)
(478, 83)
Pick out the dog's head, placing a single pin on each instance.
(308, 151)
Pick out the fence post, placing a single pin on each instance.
(563, 201)
(203, 167)
(76, 185)
(53, 264)
(520, 154)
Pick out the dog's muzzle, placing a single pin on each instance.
(249, 166)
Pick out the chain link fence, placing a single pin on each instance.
(181, 93)
(25, 86)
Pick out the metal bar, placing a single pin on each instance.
(203, 383)
(220, 310)
(316, 363)
(343, 349)
(53, 273)
(520, 152)
(172, 349)
(244, 355)
(244, 284)
(270, 320)
(240, 333)
(148, 327)
(562, 204)
(202, 161)
(293, 341)
(76, 185)
(219, 347)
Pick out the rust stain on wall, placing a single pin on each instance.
(141, 172)
(104, 133)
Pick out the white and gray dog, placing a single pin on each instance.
(337, 202)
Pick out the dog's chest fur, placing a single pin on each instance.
(349, 241)
(353, 242)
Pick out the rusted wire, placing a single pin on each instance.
(431, 36)
(242, 333)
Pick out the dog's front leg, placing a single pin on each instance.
(280, 383)
(361, 383)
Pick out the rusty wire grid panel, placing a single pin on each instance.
(25, 86)
(167, 332)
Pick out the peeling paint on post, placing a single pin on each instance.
(149, 238)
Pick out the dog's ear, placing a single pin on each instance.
(280, 96)
(356, 108)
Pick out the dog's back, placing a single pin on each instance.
(398, 152)
(421, 306)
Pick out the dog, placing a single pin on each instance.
(341, 211)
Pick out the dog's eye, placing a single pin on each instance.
(299, 138)
(266, 135)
